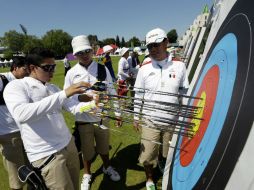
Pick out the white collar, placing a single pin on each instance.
(163, 63)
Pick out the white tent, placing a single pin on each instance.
(118, 51)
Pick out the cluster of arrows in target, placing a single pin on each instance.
(182, 125)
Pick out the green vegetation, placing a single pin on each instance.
(124, 152)
(172, 36)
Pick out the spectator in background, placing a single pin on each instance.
(107, 61)
(123, 72)
(134, 65)
(11, 146)
(67, 65)
(161, 74)
(36, 106)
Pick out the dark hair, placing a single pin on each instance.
(37, 55)
(18, 61)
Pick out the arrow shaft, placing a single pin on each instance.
(132, 88)
(171, 129)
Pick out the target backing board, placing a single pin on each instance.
(226, 86)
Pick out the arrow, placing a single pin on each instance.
(180, 131)
(176, 112)
(186, 107)
(143, 90)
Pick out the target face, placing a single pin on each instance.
(225, 85)
(216, 82)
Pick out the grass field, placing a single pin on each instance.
(124, 152)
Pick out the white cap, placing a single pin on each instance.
(80, 43)
(137, 50)
(123, 51)
(107, 48)
(156, 35)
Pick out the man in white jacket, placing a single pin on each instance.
(161, 74)
(123, 72)
(88, 71)
(11, 146)
(36, 106)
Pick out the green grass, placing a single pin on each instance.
(124, 152)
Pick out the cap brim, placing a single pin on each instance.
(127, 49)
(154, 40)
(81, 48)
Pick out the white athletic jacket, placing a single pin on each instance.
(166, 76)
(37, 109)
(79, 73)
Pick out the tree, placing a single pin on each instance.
(58, 41)
(109, 41)
(8, 54)
(31, 42)
(93, 40)
(100, 43)
(123, 42)
(133, 41)
(13, 40)
(172, 36)
(117, 41)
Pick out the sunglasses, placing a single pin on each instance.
(48, 68)
(84, 52)
(153, 45)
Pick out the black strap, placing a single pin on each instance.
(48, 160)
(101, 76)
(5, 82)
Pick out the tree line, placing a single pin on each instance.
(60, 41)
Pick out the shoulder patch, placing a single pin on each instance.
(176, 59)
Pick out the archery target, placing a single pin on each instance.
(216, 81)
(208, 159)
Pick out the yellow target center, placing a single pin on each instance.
(200, 112)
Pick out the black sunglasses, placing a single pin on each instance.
(83, 52)
(152, 45)
(48, 68)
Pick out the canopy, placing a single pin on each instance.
(99, 51)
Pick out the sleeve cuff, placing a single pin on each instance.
(62, 96)
(88, 106)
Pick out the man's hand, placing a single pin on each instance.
(136, 126)
(77, 88)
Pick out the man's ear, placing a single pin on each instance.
(31, 67)
(15, 68)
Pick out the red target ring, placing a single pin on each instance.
(208, 90)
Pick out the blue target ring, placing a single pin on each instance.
(224, 56)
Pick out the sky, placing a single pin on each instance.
(104, 18)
